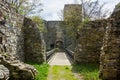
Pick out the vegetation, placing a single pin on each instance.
(26, 7)
(72, 19)
(61, 73)
(75, 19)
(39, 21)
(42, 70)
(118, 5)
(88, 71)
(94, 9)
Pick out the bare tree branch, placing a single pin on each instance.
(93, 9)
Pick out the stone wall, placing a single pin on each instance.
(52, 27)
(110, 54)
(12, 46)
(70, 8)
(11, 33)
(14, 30)
(89, 42)
(33, 44)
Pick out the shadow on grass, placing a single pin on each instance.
(89, 71)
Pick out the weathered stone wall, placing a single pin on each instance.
(20, 39)
(11, 33)
(52, 27)
(70, 11)
(70, 8)
(110, 54)
(33, 45)
(12, 46)
(90, 41)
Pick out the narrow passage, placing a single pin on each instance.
(60, 58)
(61, 68)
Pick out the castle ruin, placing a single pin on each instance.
(21, 40)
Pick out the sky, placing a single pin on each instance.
(52, 8)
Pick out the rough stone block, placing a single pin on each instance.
(109, 74)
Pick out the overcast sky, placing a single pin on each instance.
(52, 8)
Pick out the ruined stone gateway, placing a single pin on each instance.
(20, 40)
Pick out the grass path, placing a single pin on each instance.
(74, 72)
(68, 72)
(61, 73)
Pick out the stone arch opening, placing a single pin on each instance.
(52, 46)
(59, 44)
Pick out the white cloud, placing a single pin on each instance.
(110, 4)
(52, 7)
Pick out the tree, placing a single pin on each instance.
(25, 7)
(39, 22)
(75, 18)
(93, 9)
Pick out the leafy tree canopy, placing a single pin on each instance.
(39, 21)
(26, 7)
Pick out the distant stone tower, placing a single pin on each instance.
(73, 10)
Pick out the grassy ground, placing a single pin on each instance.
(42, 71)
(88, 71)
(60, 73)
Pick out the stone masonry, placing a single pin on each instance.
(53, 34)
(110, 54)
(55, 28)
(89, 41)
(11, 32)
(14, 44)
(71, 10)
(33, 44)
(21, 40)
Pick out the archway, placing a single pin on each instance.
(59, 45)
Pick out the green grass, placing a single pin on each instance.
(61, 73)
(42, 71)
(88, 71)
